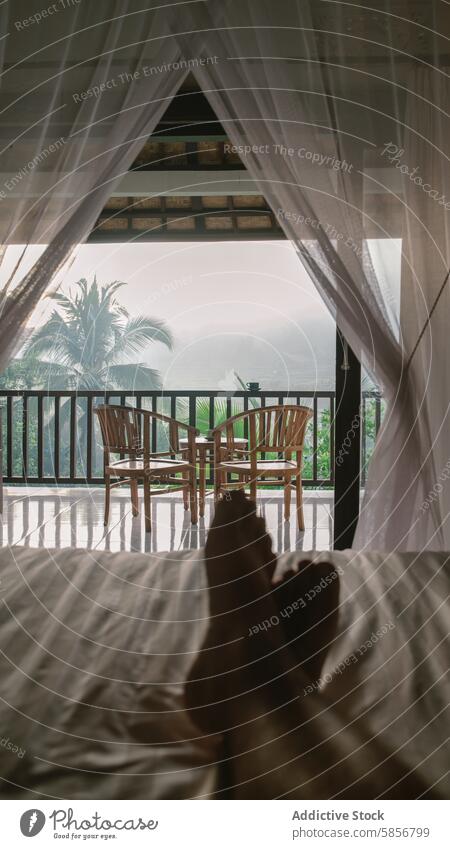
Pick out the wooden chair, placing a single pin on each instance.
(279, 430)
(126, 431)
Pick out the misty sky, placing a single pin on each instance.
(266, 277)
(249, 304)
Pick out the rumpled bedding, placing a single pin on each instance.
(95, 648)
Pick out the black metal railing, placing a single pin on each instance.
(53, 436)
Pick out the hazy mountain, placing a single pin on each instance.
(276, 357)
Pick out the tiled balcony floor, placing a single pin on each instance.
(73, 516)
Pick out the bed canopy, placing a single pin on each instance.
(340, 113)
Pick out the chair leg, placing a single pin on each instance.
(147, 511)
(134, 497)
(299, 493)
(184, 455)
(202, 485)
(287, 497)
(193, 496)
(107, 499)
(253, 489)
(217, 484)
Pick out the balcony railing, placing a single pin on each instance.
(53, 437)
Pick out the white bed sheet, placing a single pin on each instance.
(390, 661)
(95, 648)
(94, 651)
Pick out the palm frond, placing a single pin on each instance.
(137, 334)
(55, 340)
(91, 335)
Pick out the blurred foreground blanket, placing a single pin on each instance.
(95, 647)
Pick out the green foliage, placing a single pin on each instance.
(89, 340)
(25, 373)
(370, 432)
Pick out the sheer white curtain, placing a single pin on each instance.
(102, 77)
(318, 103)
(424, 165)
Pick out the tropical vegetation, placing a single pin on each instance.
(90, 341)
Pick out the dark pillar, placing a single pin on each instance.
(347, 440)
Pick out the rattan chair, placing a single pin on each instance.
(276, 430)
(127, 431)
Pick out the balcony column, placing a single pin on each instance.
(347, 441)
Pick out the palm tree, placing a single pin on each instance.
(89, 342)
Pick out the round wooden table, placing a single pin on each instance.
(204, 446)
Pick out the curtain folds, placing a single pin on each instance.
(77, 142)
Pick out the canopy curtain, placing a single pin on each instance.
(423, 160)
(317, 97)
(106, 78)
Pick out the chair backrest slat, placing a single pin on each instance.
(262, 427)
(174, 437)
(125, 430)
(230, 437)
(120, 428)
(291, 427)
(280, 428)
(252, 431)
